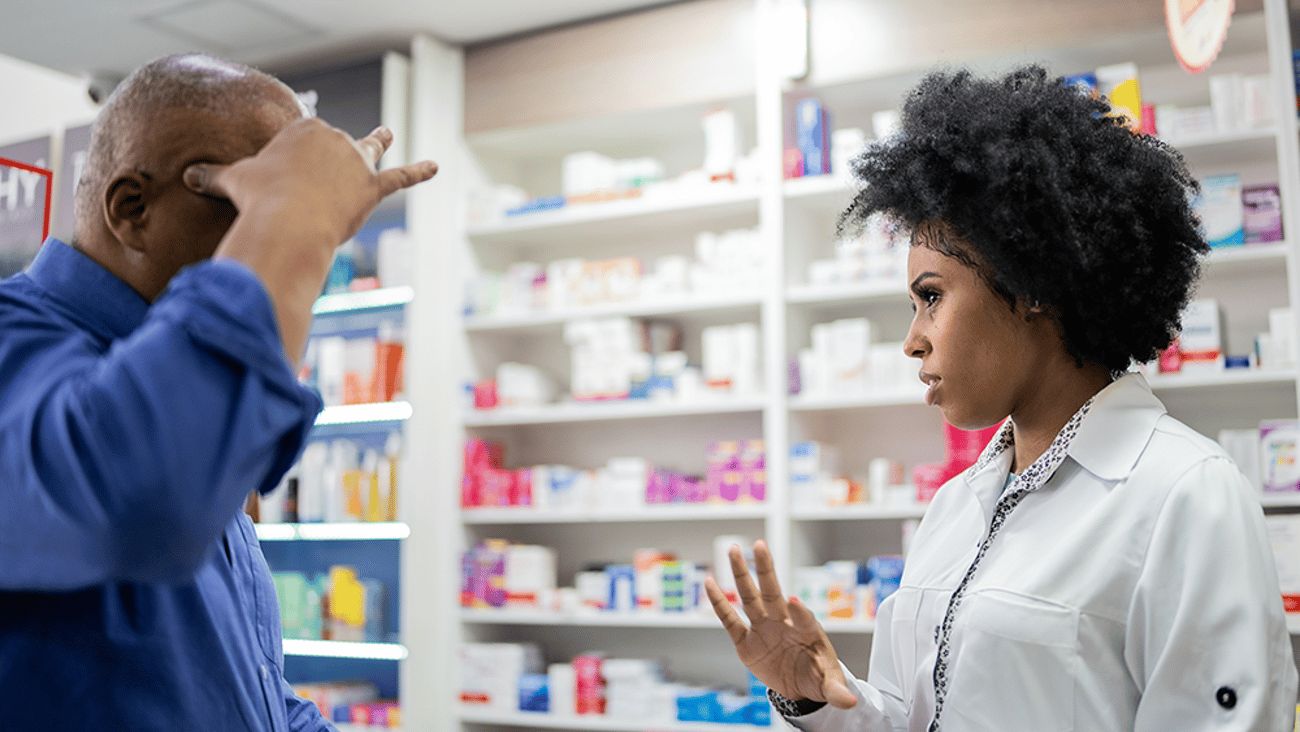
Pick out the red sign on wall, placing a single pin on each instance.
(22, 189)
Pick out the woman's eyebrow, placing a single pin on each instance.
(922, 277)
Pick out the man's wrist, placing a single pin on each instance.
(791, 708)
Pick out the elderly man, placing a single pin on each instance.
(147, 385)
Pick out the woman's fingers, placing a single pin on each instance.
(731, 621)
(837, 693)
(750, 599)
(774, 605)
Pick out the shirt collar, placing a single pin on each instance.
(1121, 423)
(95, 296)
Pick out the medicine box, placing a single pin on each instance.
(1202, 340)
(1279, 470)
(1261, 214)
(1284, 534)
(1220, 209)
(812, 136)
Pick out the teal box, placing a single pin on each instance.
(1221, 211)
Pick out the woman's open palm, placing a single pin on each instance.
(783, 644)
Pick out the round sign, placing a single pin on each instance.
(1197, 29)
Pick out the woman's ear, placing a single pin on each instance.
(126, 210)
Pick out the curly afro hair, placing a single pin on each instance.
(1058, 203)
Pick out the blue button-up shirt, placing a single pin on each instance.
(133, 593)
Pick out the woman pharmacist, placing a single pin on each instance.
(1102, 566)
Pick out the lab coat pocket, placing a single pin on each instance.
(1015, 658)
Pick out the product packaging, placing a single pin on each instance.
(1284, 534)
(886, 573)
(333, 697)
(528, 575)
(589, 684)
(722, 563)
(1119, 84)
(490, 673)
(533, 693)
(562, 694)
(846, 144)
(1279, 470)
(1220, 209)
(753, 471)
(812, 136)
(1203, 338)
(1261, 214)
(722, 144)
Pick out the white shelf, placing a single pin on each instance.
(1223, 138)
(349, 727)
(1279, 499)
(363, 413)
(609, 410)
(846, 292)
(593, 619)
(1214, 379)
(857, 512)
(665, 513)
(344, 649)
(830, 402)
(835, 187)
(863, 627)
(592, 722)
(694, 207)
(686, 305)
(376, 531)
(366, 300)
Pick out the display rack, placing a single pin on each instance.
(796, 223)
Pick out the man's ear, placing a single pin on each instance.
(126, 210)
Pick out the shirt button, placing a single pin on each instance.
(1226, 697)
(263, 670)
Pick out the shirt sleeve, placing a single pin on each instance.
(880, 706)
(303, 715)
(1207, 641)
(126, 465)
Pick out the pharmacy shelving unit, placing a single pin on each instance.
(374, 548)
(796, 224)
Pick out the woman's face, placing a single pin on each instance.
(980, 358)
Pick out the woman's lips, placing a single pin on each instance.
(932, 382)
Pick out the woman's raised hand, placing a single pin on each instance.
(783, 644)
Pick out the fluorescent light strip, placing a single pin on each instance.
(383, 297)
(362, 413)
(275, 532)
(360, 530)
(349, 531)
(344, 649)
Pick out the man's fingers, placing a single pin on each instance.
(731, 621)
(391, 181)
(769, 587)
(373, 145)
(205, 179)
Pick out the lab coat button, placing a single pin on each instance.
(1226, 697)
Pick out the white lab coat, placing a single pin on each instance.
(1136, 590)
